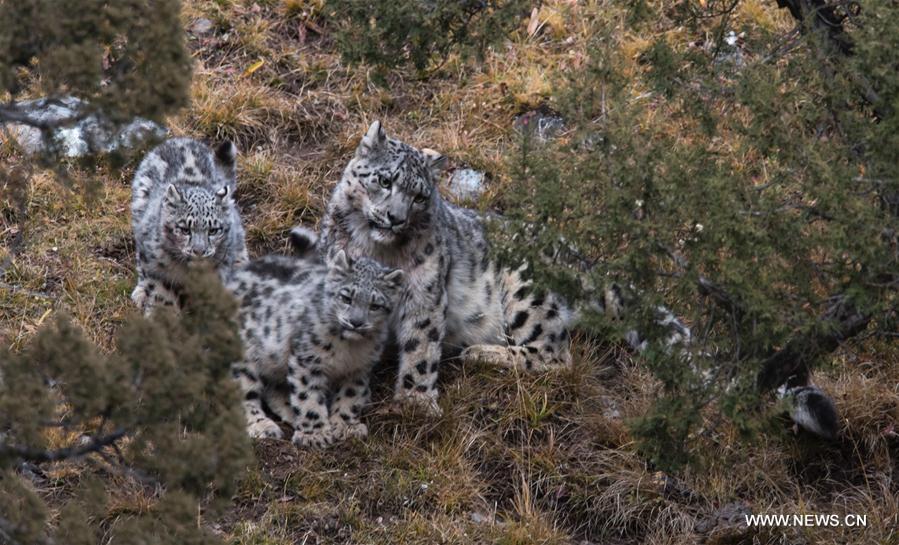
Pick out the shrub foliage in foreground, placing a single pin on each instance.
(127, 58)
(752, 188)
(162, 408)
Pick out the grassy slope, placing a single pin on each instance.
(515, 459)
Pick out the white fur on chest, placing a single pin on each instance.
(347, 358)
(360, 245)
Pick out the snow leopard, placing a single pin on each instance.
(183, 212)
(314, 331)
(457, 297)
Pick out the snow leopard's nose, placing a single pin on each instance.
(199, 250)
(357, 323)
(394, 220)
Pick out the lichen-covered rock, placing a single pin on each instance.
(466, 183)
(542, 124)
(88, 132)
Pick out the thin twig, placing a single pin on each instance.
(39, 456)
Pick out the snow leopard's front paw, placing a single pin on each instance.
(319, 438)
(424, 401)
(350, 430)
(264, 428)
(487, 353)
(140, 297)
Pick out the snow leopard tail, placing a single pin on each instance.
(536, 327)
(811, 409)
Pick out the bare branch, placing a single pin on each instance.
(841, 322)
(824, 18)
(710, 289)
(820, 16)
(39, 456)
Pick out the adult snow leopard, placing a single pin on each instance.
(183, 211)
(386, 206)
(315, 331)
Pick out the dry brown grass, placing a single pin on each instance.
(516, 459)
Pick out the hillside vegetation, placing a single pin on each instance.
(515, 458)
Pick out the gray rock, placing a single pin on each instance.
(93, 133)
(731, 52)
(478, 518)
(727, 524)
(466, 183)
(200, 26)
(542, 125)
(610, 408)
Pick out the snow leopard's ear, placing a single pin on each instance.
(373, 142)
(340, 263)
(172, 196)
(303, 241)
(437, 162)
(226, 154)
(395, 278)
(222, 194)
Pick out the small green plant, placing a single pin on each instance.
(536, 407)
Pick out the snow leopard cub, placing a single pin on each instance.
(182, 212)
(314, 331)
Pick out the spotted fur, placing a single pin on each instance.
(183, 211)
(314, 331)
(387, 206)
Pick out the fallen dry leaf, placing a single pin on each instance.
(534, 23)
(253, 67)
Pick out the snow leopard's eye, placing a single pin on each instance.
(345, 297)
(213, 231)
(376, 307)
(182, 229)
(385, 182)
(420, 198)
